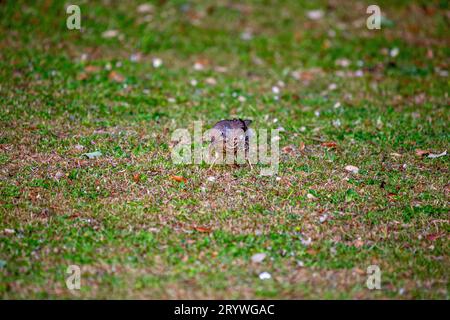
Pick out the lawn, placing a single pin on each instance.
(341, 94)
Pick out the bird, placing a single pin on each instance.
(227, 136)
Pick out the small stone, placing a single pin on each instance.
(157, 62)
(315, 14)
(258, 257)
(352, 169)
(264, 275)
(394, 52)
(275, 90)
(323, 218)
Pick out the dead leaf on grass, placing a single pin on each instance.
(422, 153)
(203, 229)
(179, 179)
(330, 144)
(115, 76)
(92, 69)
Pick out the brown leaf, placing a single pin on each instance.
(359, 243)
(136, 177)
(433, 236)
(288, 149)
(422, 153)
(74, 215)
(179, 179)
(330, 144)
(203, 229)
(311, 251)
(391, 196)
(115, 76)
(91, 69)
(82, 76)
(302, 146)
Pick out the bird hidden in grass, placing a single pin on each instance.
(230, 138)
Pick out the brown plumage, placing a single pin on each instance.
(229, 135)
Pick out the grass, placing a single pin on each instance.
(136, 233)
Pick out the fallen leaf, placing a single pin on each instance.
(92, 155)
(421, 153)
(115, 76)
(179, 179)
(203, 229)
(288, 149)
(330, 144)
(433, 236)
(75, 215)
(391, 196)
(358, 243)
(91, 69)
(302, 146)
(82, 76)
(136, 177)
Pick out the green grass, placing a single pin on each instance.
(136, 233)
